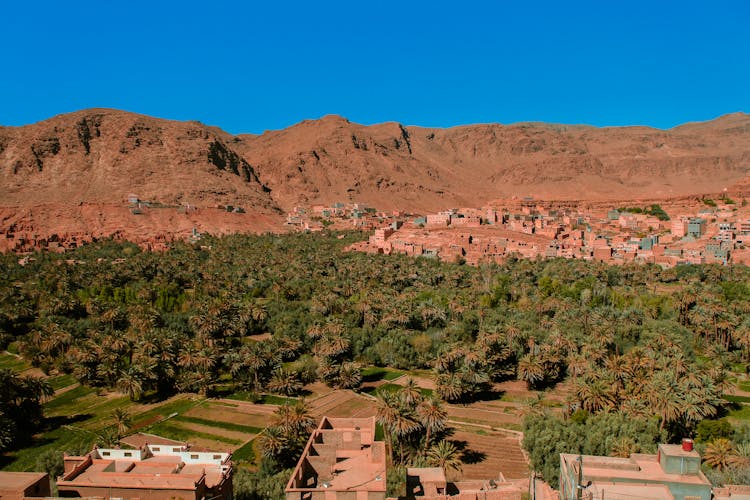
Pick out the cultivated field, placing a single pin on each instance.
(488, 454)
(343, 404)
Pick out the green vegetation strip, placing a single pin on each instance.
(270, 399)
(177, 406)
(245, 453)
(13, 363)
(374, 373)
(167, 430)
(61, 381)
(220, 424)
(62, 439)
(67, 399)
(261, 399)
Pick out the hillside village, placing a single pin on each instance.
(706, 232)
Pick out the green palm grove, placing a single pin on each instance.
(637, 341)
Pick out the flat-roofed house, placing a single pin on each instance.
(341, 461)
(672, 474)
(20, 485)
(158, 471)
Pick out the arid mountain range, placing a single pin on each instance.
(70, 176)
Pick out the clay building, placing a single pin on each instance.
(20, 485)
(155, 471)
(341, 461)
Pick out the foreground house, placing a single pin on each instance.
(342, 461)
(672, 474)
(154, 471)
(429, 483)
(20, 485)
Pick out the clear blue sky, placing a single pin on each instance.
(251, 66)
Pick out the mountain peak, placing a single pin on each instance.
(387, 166)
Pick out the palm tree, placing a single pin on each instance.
(663, 394)
(534, 406)
(445, 455)
(594, 394)
(386, 415)
(301, 418)
(286, 382)
(720, 453)
(130, 382)
(433, 418)
(331, 345)
(122, 421)
(623, 447)
(410, 393)
(450, 386)
(107, 437)
(531, 370)
(349, 376)
(272, 442)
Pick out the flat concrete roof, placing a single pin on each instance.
(160, 471)
(639, 467)
(165, 476)
(675, 450)
(618, 491)
(427, 474)
(19, 480)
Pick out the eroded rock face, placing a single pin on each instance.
(392, 166)
(71, 176)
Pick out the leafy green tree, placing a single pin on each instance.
(710, 430)
(21, 413)
(546, 436)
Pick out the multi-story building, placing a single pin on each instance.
(342, 461)
(696, 227)
(152, 472)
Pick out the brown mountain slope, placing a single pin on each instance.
(71, 175)
(392, 166)
(103, 155)
(68, 177)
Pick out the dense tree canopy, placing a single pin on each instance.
(274, 312)
(20, 407)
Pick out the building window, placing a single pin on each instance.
(128, 454)
(193, 457)
(217, 457)
(105, 453)
(156, 448)
(175, 450)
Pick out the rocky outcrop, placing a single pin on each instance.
(70, 178)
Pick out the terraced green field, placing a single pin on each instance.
(78, 416)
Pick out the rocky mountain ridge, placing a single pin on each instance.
(70, 177)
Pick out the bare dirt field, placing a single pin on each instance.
(488, 454)
(343, 404)
(208, 429)
(238, 412)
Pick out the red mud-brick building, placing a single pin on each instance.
(156, 471)
(342, 461)
(20, 485)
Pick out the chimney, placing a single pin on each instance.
(687, 444)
